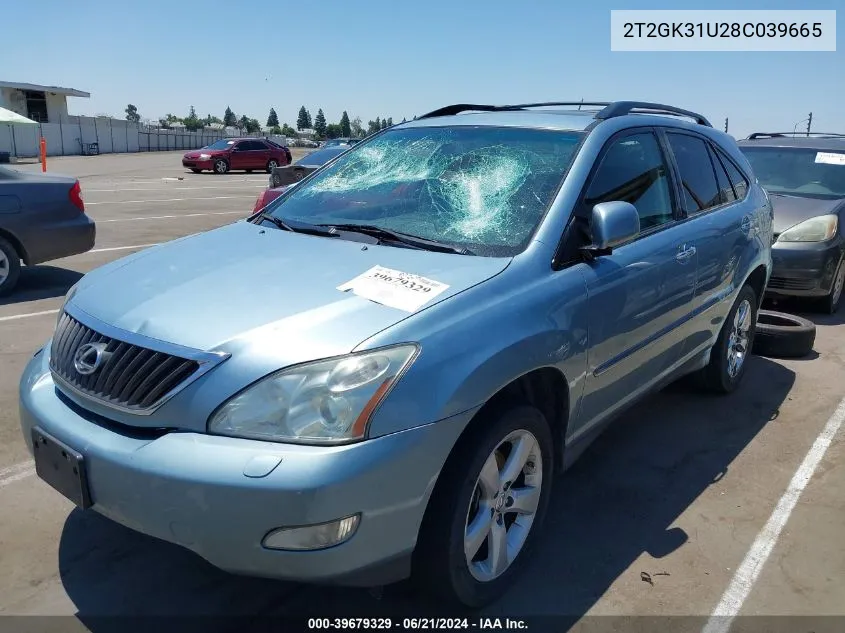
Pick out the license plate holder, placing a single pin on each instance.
(62, 467)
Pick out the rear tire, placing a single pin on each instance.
(271, 164)
(469, 510)
(10, 267)
(729, 355)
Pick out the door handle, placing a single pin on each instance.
(685, 253)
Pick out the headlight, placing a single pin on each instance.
(324, 402)
(205, 156)
(816, 229)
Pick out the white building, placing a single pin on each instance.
(46, 104)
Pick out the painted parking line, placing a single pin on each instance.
(168, 217)
(91, 204)
(27, 315)
(15, 473)
(749, 570)
(119, 248)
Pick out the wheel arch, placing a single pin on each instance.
(16, 244)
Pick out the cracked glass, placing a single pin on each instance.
(483, 188)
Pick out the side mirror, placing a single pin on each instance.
(611, 224)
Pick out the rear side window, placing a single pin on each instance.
(739, 181)
(726, 190)
(633, 170)
(698, 182)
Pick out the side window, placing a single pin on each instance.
(726, 190)
(633, 170)
(698, 182)
(739, 181)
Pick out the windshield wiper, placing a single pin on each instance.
(297, 227)
(396, 236)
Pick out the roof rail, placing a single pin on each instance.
(751, 137)
(609, 109)
(621, 108)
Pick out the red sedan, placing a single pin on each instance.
(246, 154)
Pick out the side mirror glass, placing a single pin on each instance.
(611, 224)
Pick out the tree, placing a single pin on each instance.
(272, 119)
(404, 119)
(345, 127)
(132, 113)
(356, 127)
(252, 126)
(373, 126)
(243, 122)
(320, 123)
(389, 121)
(288, 130)
(303, 119)
(209, 119)
(229, 118)
(334, 130)
(191, 121)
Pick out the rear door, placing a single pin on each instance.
(640, 296)
(712, 210)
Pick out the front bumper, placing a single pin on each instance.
(196, 163)
(804, 269)
(190, 489)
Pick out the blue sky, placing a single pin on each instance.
(395, 58)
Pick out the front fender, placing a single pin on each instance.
(484, 341)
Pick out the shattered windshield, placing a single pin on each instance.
(484, 188)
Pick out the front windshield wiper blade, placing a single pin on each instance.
(403, 238)
(297, 227)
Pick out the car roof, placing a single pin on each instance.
(815, 141)
(564, 116)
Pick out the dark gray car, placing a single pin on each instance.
(805, 177)
(42, 217)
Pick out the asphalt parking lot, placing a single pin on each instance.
(687, 504)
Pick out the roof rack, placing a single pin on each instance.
(609, 109)
(751, 137)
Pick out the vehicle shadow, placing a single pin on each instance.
(619, 501)
(41, 282)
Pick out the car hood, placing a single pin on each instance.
(207, 290)
(791, 210)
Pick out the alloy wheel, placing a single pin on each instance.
(503, 505)
(738, 339)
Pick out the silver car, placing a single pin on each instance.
(379, 374)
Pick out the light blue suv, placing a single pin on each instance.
(380, 374)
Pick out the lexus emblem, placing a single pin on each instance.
(89, 357)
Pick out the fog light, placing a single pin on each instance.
(310, 537)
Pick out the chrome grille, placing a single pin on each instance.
(131, 377)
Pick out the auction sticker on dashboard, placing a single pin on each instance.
(394, 288)
(830, 158)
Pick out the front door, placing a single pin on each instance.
(640, 297)
(239, 158)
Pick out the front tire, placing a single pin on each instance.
(10, 267)
(830, 304)
(221, 166)
(487, 509)
(729, 356)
